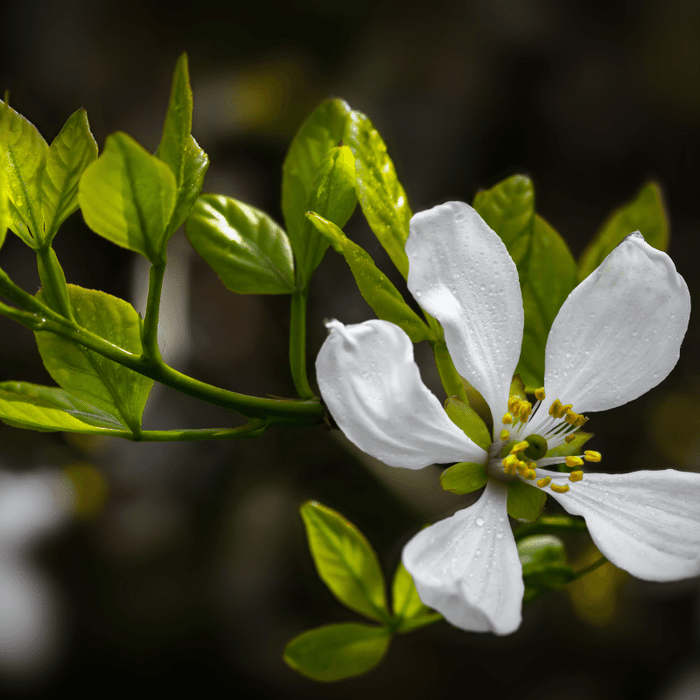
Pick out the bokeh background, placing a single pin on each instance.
(187, 570)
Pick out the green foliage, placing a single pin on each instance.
(463, 477)
(334, 652)
(546, 268)
(245, 247)
(4, 210)
(128, 197)
(409, 611)
(178, 148)
(345, 561)
(645, 213)
(544, 562)
(332, 195)
(381, 195)
(112, 388)
(321, 132)
(69, 154)
(469, 421)
(385, 300)
(525, 502)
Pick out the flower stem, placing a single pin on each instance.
(150, 320)
(297, 343)
(591, 567)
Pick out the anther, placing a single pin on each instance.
(571, 417)
(507, 419)
(504, 435)
(573, 462)
(513, 401)
(580, 421)
(576, 476)
(569, 438)
(544, 481)
(519, 447)
(540, 395)
(564, 410)
(554, 408)
(531, 474)
(592, 456)
(559, 488)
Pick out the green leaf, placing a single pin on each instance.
(69, 154)
(334, 652)
(322, 131)
(381, 195)
(244, 246)
(571, 448)
(345, 561)
(469, 421)
(525, 502)
(24, 154)
(332, 196)
(4, 209)
(128, 196)
(463, 477)
(385, 300)
(55, 398)
(178, 148)
(645, 213)
(543, 558)
(110, 387)
(546, 268)
(408, 608)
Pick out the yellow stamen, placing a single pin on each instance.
(571, 417)
(507, 419)
(510, 461)
(554, 408)
(576, 476)
(544, 481)
(504, 435)
(520, 447)
(592, 456)
(513, 401)
(525, 410)
(569, 438)
(559, 488)
(523, 470)
(540, 395)
(531, 474)
(573, 461)
(580, 421)
(564, 410)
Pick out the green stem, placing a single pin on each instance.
(448, 374)
(53, 281)
(253, 428)
(547, 525)
(297, 344)
(150, 320)
(591, 567)
(290, 411)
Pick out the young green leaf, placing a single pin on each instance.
(243, 245)
(178, 148)
(51, 397)
(381, 195)
(4, 209)
(543, 558)
(468, 420)
(322, 131)
(345, 561)
(408, 608)
(334, 652)
(463, 477)
(69, 154)
(332, 196)
(374, 285)
(110, 387)
(128, 196)
(546, 268)
(24, 153)
(645, 213)
(525, 502)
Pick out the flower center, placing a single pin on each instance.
(527, 437)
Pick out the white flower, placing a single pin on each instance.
(616, 336)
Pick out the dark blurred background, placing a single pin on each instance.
(189, 570)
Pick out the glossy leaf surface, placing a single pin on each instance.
(243, 245)
(466, 418)
(463, 477)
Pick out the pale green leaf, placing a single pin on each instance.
(110, 387)
(469, 421)
(463, 477)
(334, 652)
(243, 245)
(69, 154)
(408, 608)
(178, 148)
(385, 300)
(525, 502)
(381, 195)
(345, 561)
(128, 196)
(645, 213)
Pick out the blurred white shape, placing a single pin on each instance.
(33, 506)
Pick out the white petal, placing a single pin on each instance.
(460, 272)
(374, 391)
(467, 567)
(647, 522)
(619, 332)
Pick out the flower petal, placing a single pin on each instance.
(467, 567)
(460, 272)
(646, 522)
(374, 391)
(619, 332)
